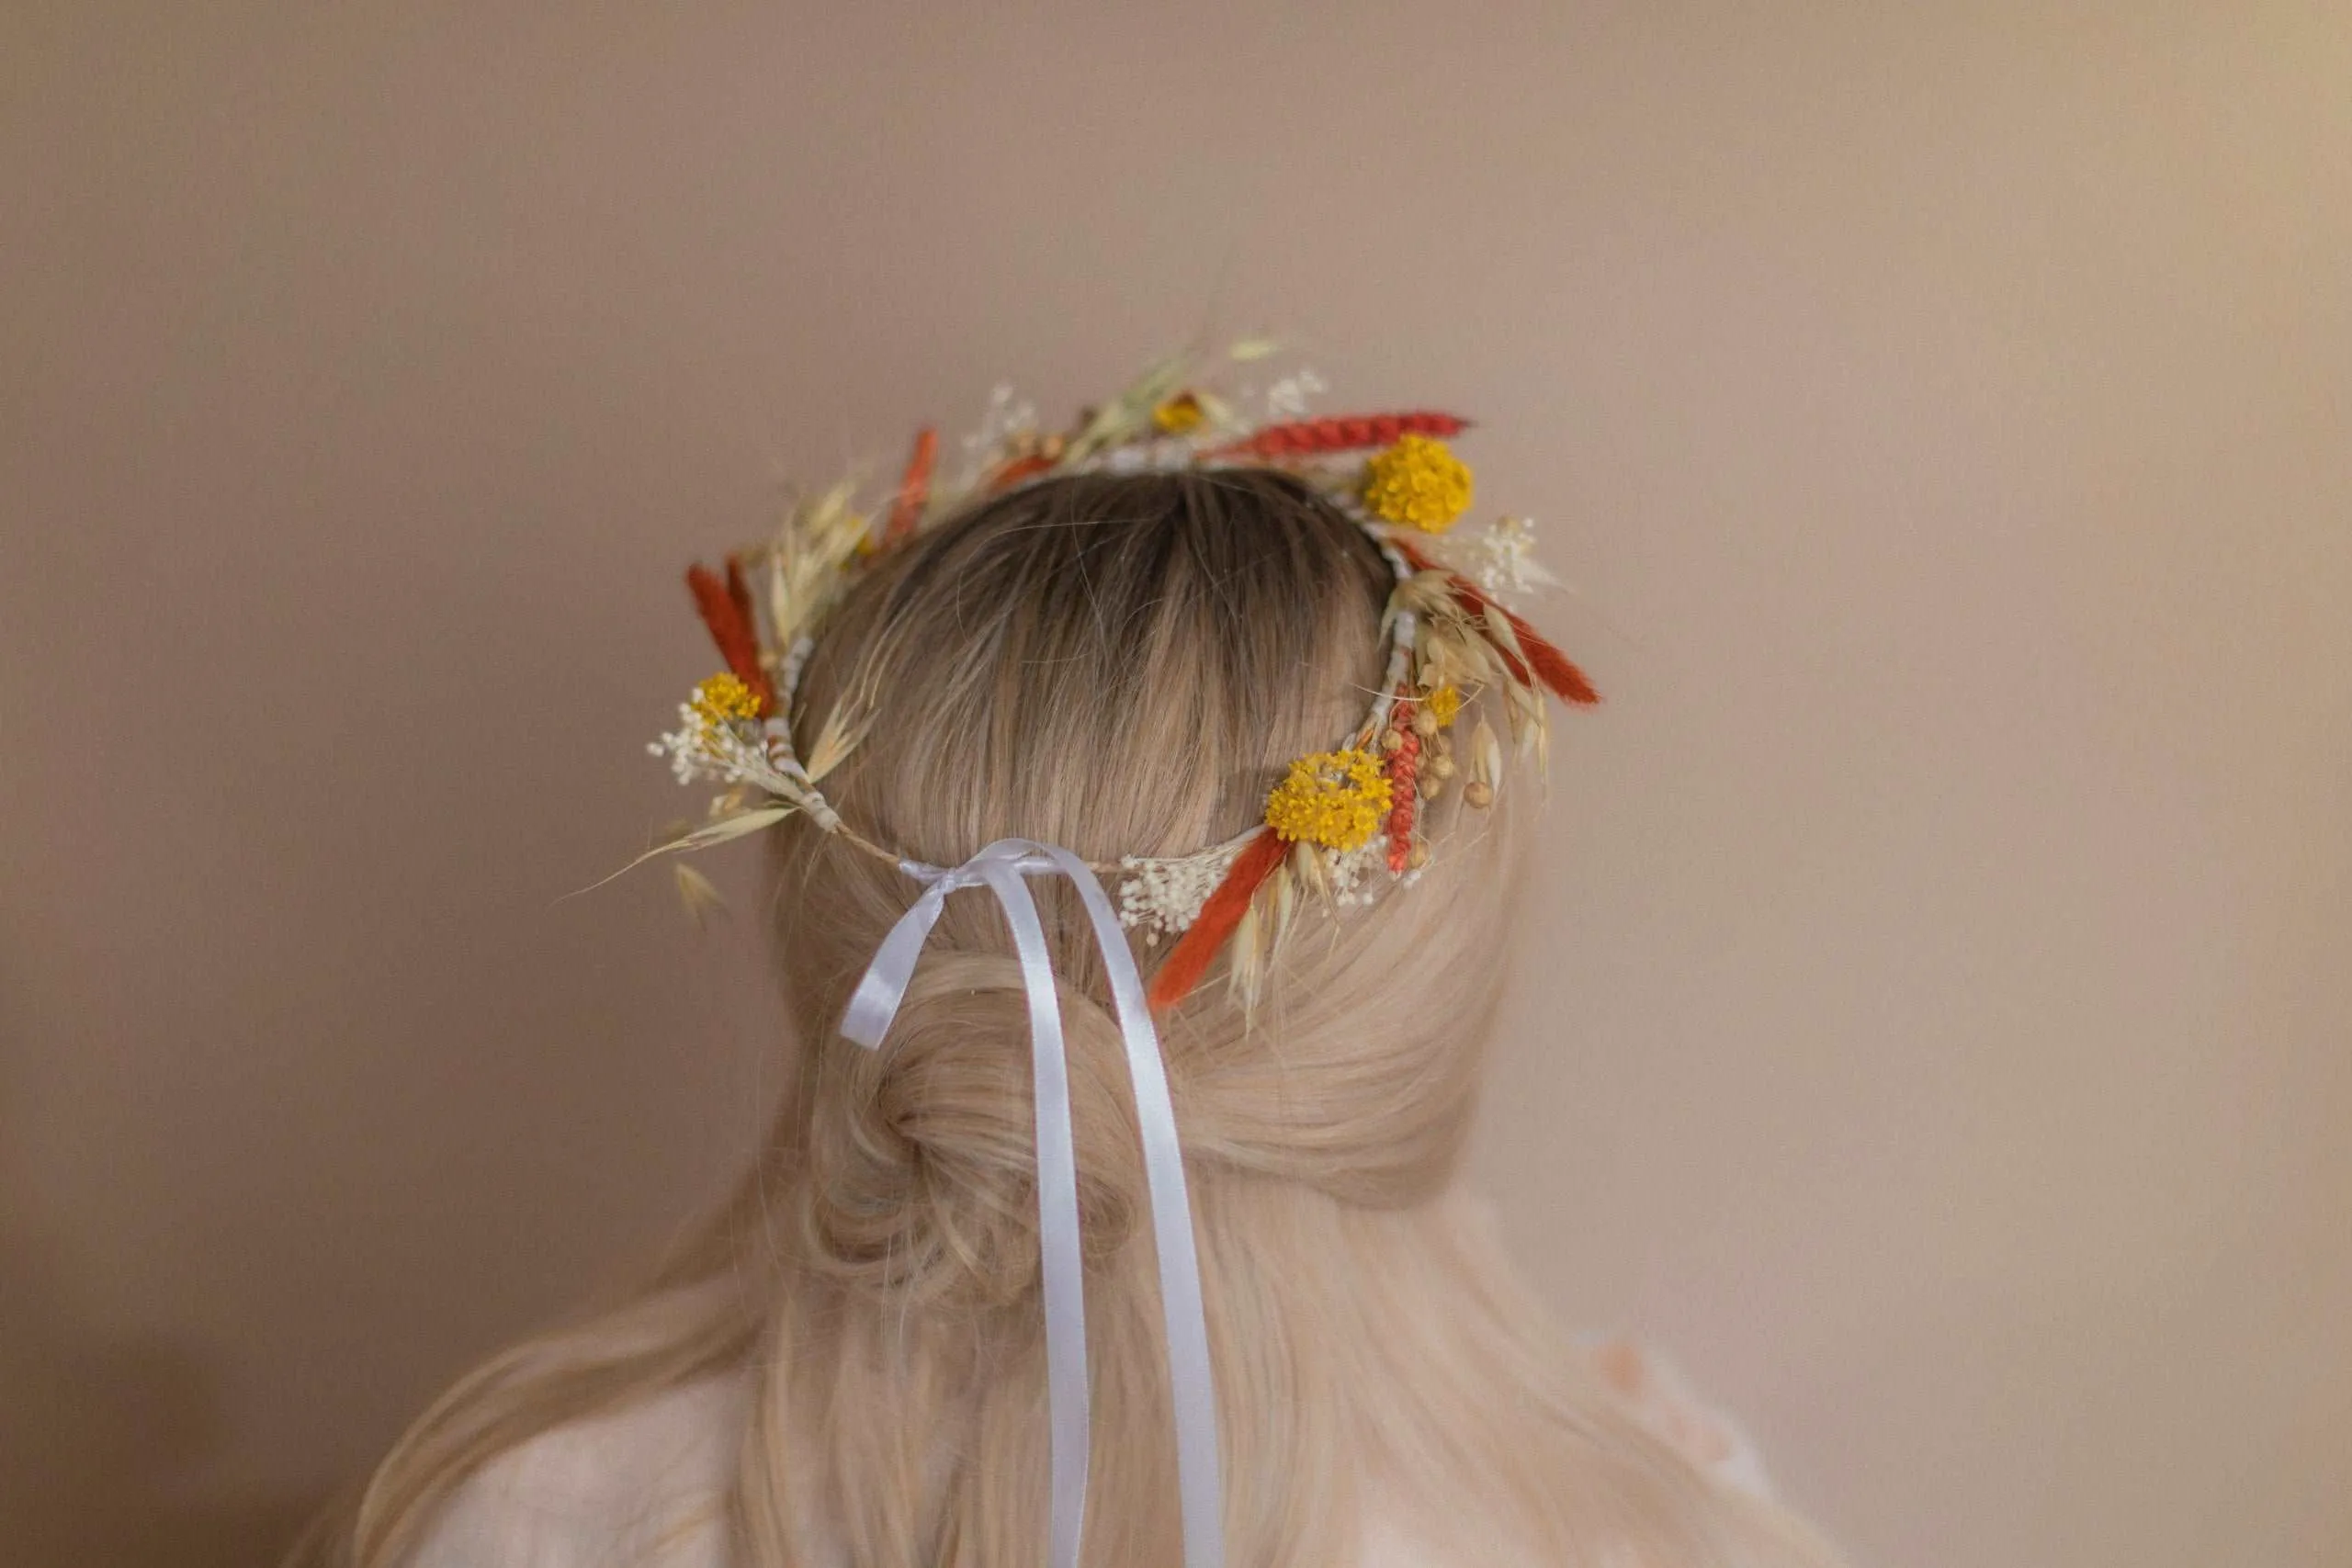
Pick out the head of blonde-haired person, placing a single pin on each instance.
(1120, 665)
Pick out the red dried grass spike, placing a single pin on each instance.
(1342, 433)
(1020, 468)
(1557, 669)
(1190, 958)
(739, 592)
(725, 607)
(1404, 789)
(914, 487)
(1552, 667)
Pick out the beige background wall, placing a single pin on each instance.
(1934, 1018)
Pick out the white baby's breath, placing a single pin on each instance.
(1355, 876)
(725, 753)
(1162, 897)
(1289, 398)
(1505, 563)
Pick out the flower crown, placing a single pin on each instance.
(1341, 825)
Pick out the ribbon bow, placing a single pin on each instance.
(1002, 868)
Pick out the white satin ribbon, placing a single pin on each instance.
(1000, 867)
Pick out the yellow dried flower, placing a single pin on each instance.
(1337, 800)
(1444, 704)
(1179, 415)
(723, 699)
(1417, 481)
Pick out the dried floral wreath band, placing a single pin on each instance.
(1340, 824)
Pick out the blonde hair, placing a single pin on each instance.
(1118, 664)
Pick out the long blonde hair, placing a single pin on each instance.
(1117, 664)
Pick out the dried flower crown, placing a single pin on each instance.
(1341, 824)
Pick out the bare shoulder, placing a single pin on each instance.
(1654, 1392)
(644, 1484)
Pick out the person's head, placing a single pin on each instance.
(1121, 665)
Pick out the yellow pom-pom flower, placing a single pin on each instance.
(1337, 800)
(1444, 704)
(723, 699)
(1418, 482)
(1179, 415)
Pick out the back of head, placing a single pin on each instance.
(1123, 665)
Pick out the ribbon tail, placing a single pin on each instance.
(1192, 1378)
(1058, 1234)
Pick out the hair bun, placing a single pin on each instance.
(923, 1173)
